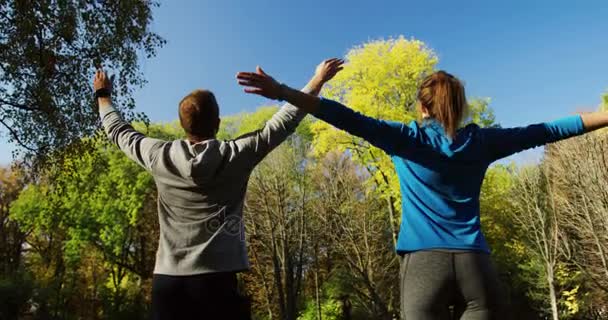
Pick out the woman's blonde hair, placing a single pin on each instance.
(442, 95)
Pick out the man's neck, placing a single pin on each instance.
(196, 139)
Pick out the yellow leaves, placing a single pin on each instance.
(12, 181)
(123, 282)
(562, 273)
(380, 80)
(381, 77)
(570, 300)
(568, 277)
(244, 122)
(517, 247)
(327, 139)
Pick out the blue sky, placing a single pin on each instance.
(536, 60)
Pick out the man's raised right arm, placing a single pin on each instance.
(254, 146)
(392, 137)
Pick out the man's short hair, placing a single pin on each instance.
(199, 113)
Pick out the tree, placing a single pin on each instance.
(580, 168)
(581, 173)
(48, 52)
(509, 253)
(381, 81)
(481, 114)
(99, 207)
(12, 237)
(14, 285)
(276, 218)
(358, 234)
(537, 217)
(275, 214)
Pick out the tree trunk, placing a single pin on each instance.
(319, 314)
(391, 212)
(552, 294)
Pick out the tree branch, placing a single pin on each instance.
(17, 105)
(16, 137)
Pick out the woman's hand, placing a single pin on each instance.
(260, 83)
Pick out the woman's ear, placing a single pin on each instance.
(422, 110)
(425, 112)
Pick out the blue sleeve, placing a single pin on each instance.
(500, 143)
(392, 137)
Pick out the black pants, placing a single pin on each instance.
(450, 285)
(206, 296)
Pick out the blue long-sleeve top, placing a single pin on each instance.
(440, 177)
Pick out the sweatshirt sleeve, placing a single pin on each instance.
(249, 149)
(134, 144)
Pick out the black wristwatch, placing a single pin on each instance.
(102, 93)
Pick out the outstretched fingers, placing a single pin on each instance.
(337, 63)
(250, 83)
(252, 76)
(260, 71)
(258, 83)
(254, 90)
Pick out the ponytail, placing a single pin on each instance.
(443, 96)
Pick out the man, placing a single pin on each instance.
(201, 185)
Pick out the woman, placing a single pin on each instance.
(440, 168)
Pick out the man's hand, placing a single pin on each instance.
(327, 69)
(101, 81)
(324, 72)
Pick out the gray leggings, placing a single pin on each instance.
(449, 285)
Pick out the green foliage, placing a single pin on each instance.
(165, 131)
(236, 125)
(94, 210)
(49, 51)
(336, 299)
(96, 198)
(331, 309)
(496, 210)
(480, 113)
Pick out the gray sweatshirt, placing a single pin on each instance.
(201, 188)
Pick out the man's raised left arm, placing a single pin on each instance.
(134, 144)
